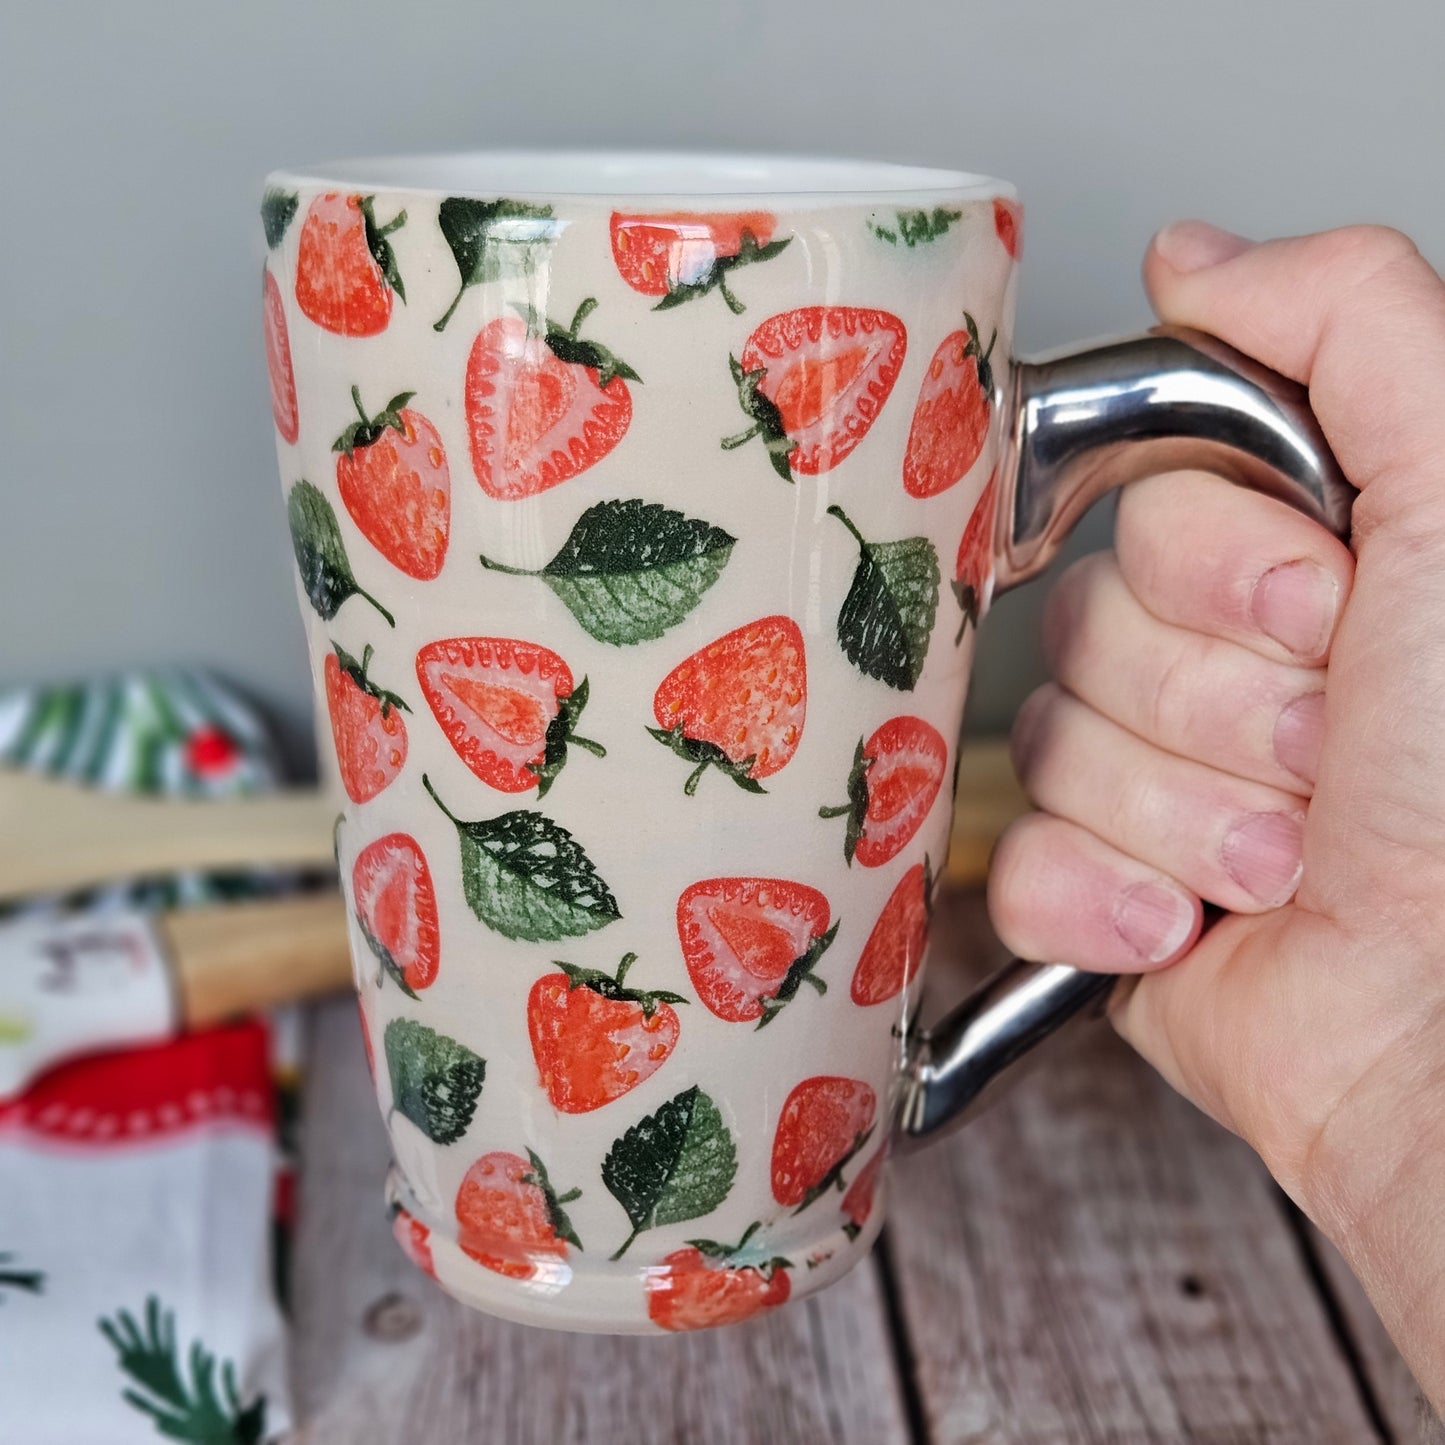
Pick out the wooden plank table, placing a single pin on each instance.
(1090, 1261)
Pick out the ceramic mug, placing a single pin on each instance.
(645, 508)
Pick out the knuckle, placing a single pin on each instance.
(1067, 601)
(1170, 704)
(1027, 738)
(1019, 857)
(1359, 253)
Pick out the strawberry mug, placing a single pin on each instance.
(644, 510)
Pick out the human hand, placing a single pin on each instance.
(1247, 714)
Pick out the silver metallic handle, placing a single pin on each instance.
(1083, 422)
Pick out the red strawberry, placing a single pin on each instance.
(895, 947)
(708, 1284)
(542, 404)
(211, 752)
(593, 1038)
(392, 475)
(1008, 221)
(751, 943)
(508, 707)
(366, 1043)
(858, 1201)
(510, 1219)
(895, 779)
(737, 704)
(396, 906)
(415, 1240)
(680, 256)
(366, 725)
(950, 422)
(278, 361)
(345, 268)
(824, 1123)
(814, 380)
(973, 571)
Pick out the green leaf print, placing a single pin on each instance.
(914, 228)
(321, 556)
(856, 808)
(278, 209)
(492, 239)
(707, 755)
(767, 420)
(675, 1164)
(800, 971)
(630, 570)
(435, 1081)
(380, 247)
(568, 345)
(183, 1409)
(527, 877)
(561, 732)
(556, 1215)
(887, 616)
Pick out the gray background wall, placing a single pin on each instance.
(142, 519)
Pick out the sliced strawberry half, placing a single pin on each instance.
(973, 571)
(951, 417)
(542, 403)
(510, 1219)
(396, 906)
(366, 725)
(508, 707)
(278, 361)
(1008, 222)
(709, 1284)
(737, 704)
(346, 271)
(414, 1238)
(858, 1201)
(894, 781)
(813, 382)
(683, 255)
(895, 947)
(825, 1121)
(750, 943)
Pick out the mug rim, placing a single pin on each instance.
(687, 177)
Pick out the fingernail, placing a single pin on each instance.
(1295, 604)
(1264, 854)
(1299, 733)
(1153, 919)
(1193, 245)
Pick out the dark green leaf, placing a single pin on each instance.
(278, 208)
(492, 239)
(326, 574)
(632, 569)
(800, 971)
(766, 418)
(380, 247)
(435, 1081)
(707, 755)
(389, 966)
(675, 1164)
(611, 985)
(561, 731)
(856, 808)
(915, 227)
(556, 1215)
(715, 278)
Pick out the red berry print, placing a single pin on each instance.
(750, 943)
(511, 1220)
(894, 781)
(1008, 221)
(894, 949)
(345, 269)
(858, 1201)
(278, 361)
(415, 1240)
(396, 905)
(542, 404)
(825, 1122)
(814, 380)
(211, 752)
(594, 1038)
(950, 421)
(737, 704)
(708, 1284)
(508, 707)
(683, 255)
(366, 726)
(391, 470)
(973, 572)
(367, 1046)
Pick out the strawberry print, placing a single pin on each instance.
(825, 1121)
(708, 1284)
(813, 382)
(396, 906)
(345, 268)
(894, 949)
(211, 752)
(1008, 222)
(750, 943)
(368, 1048)
(391, 471)
(895, 778)
(278, 361)
(681, 256)
(414, 1238)
(508, 707)
(737, 704)
(510, 1219)
(950, 420)
(542, 404)
(594, 1038)
(858, 1201)
(973, 571)
(366, 726)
